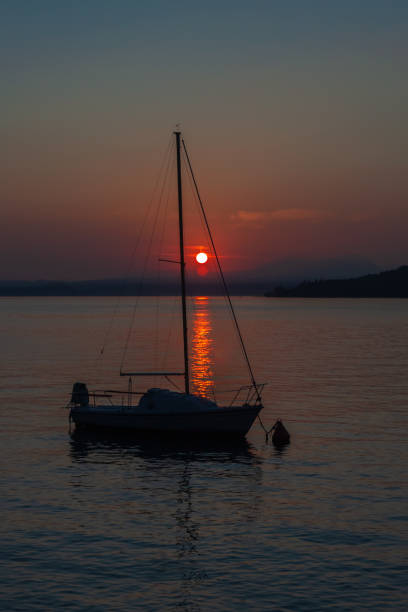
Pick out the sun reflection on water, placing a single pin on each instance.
(201, 349)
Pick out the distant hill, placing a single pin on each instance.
(389, 284)
(120, 287)
(103, 287)
(393, 283)
(293, 270)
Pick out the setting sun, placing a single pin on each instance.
(201, 258)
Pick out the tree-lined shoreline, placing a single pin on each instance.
(388, 284)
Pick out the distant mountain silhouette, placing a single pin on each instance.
(393, 283)
(120, 287)
(103, 287)
(291, 271)
(389, 284)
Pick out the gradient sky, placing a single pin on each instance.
(295, 114)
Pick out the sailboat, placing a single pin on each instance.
(164, 410)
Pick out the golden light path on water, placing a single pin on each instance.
(201, 349)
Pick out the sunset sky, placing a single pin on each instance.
(294, 112)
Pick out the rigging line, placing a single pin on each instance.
(196, 201)
(133, 253)
(211, 263)
(267, 431)
(147, 255)
(159, 268)
(173, 383)
(206, 244)
(213, 266)
(222, 275)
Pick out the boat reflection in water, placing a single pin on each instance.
(156, 446)
(201, 361)
(164, 501)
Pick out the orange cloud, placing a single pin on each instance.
(285, 214)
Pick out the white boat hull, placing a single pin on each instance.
(233, 420)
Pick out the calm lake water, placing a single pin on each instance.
(97, 523)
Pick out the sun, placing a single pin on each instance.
(201, 258)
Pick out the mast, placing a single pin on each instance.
(182, 265)
(227, 294)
